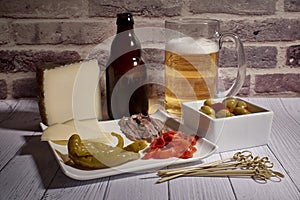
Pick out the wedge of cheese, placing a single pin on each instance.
(69, 92)
(70, 101)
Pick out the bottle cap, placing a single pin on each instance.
(124, 18)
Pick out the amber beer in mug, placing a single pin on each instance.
(191, 62)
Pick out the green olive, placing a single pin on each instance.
(209, 102)
(231, 114)
(212, 116)
(240, 111)
(242, 104)
(230, 103)
(229, 98)
(223, 113)
(207, 110)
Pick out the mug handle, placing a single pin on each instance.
(241, 62)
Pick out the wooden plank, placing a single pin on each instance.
(201, 187)
(29, 172)
(7, 109)
(62, 187)
(20, 115)
(285, 135)
(292, 106)
(10, 143)
(247, 188)
(136, 187)
(16, 124)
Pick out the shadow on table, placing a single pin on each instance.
(26, 121)
(49, 170)
(20, 115)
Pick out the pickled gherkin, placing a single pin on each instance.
(96, 155)
(136, 146)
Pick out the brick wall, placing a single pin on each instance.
(33, 32)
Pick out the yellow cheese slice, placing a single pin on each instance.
(58, 132)
(88, 129)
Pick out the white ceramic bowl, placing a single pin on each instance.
(230, 133)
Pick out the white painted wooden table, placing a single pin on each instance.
(28, 169)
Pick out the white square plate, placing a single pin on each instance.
(204, 149)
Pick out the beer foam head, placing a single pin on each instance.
(188, 45)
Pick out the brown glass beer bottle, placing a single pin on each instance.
(126, 75)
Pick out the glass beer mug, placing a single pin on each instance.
(191, 62)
